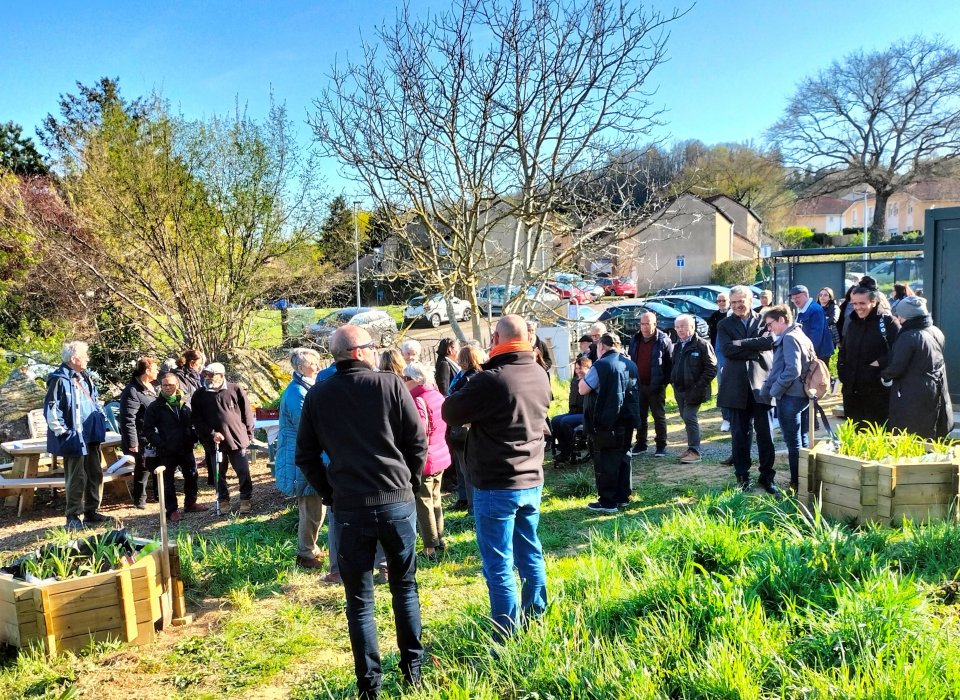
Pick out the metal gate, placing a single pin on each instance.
(942, 255)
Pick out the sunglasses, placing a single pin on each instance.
(366, 346)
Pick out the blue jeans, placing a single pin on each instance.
(395, 527)
(563, 427)
(507, 523)
(792, 410)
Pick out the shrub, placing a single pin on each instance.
(795, 236)
(733, 272)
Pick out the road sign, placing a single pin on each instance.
(679, 261)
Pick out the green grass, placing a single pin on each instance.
(690, 593)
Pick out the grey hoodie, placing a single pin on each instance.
(791, 359)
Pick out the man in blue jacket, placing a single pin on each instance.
(76, 426)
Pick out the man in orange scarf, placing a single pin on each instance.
(506, 407)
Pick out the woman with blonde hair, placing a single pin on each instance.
(391, 360)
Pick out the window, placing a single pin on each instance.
(892, 230)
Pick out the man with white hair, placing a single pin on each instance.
(596, 330)
(694, 367)
(223, 418)
(410, 350)
(76, 426)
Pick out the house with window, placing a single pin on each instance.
(684, 238)
(820, 214)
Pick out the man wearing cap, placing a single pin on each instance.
(916, 374)
(584, 346)
(223, 419)
(611, 411)
(813, 321)
(651, 350)
(367, 423)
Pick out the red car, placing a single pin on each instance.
(570, 292)
(618, 286)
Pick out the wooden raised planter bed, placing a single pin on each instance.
(847, 487)
(122, 604)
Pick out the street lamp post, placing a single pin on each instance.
(356, 247)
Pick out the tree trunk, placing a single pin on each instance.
(878, 228)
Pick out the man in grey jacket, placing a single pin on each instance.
(792, 351)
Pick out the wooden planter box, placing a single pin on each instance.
(67, 615)
(847, 487)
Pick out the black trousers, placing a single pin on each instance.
(744, 423)
(188, 467)
(611, 466)
(653, 400)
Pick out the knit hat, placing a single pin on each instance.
(585, 339)
(910, 307)
(215, 368)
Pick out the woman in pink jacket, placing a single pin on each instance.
(428, 400)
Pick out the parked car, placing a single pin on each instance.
(708, 292)
(377, 322)
(593, 287)
(433, 309)
(570, 292)
(618, 286)
(492, 298)
(624, 318)
(688, 304)
(585, 317)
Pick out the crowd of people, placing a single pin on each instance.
(365, 443)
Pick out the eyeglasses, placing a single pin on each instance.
(169, 386)
(366, 346)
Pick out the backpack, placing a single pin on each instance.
(816, 382)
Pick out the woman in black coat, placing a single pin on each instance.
(446, 368)
(919, 398)
(134, 400)
(868, 335)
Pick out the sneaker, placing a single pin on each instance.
(744, 485)
(598, 507)
(309, 562)
(637, 449)
(770, 488)
(661, 452)
(245, 506)
(140, 506)
(174, 517)
(331, 578)
(195, 508)
(96, 518)
(725, 426)
(691, 456)
(74, 523)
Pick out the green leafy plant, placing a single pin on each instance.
(875, 443)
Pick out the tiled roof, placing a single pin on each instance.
(819, 206)
(933, 190)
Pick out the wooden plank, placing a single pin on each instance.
(83, 622)
(926, 473)
(920, 514)
(884, 506)
(920, 494)
(73, 584)
(841, 496)
(73, 643)
(10, 633)
(146, 633)
(840, 476)
(841, 460)
(100, 596)
(45, 625)
(127, 606)
(869, 475)
(834, 510)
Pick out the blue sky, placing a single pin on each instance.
(732, 64)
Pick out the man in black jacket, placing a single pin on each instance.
(367, 423)
(694, 367)
(168, 429)
(651, 350)
(506, 407)
(610, 413)
(744, 372)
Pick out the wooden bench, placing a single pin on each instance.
(12, 487)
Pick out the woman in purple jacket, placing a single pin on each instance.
(429, 401)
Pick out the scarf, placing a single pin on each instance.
(515, 345)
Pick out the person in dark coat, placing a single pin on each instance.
(868, 336)
(916, 374)
(651, 351)
(446, 368)
(831, 312)
(563, 425)
(223, 419)
(189, 375)
(694, 367)
(168, 430)
(539, 347)
(470, 360)
(748, 354)
(136, 396)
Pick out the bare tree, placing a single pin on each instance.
(888, 118)
(484, 129)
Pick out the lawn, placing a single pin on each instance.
(691, 592)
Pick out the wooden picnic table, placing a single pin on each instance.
(30, 471)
